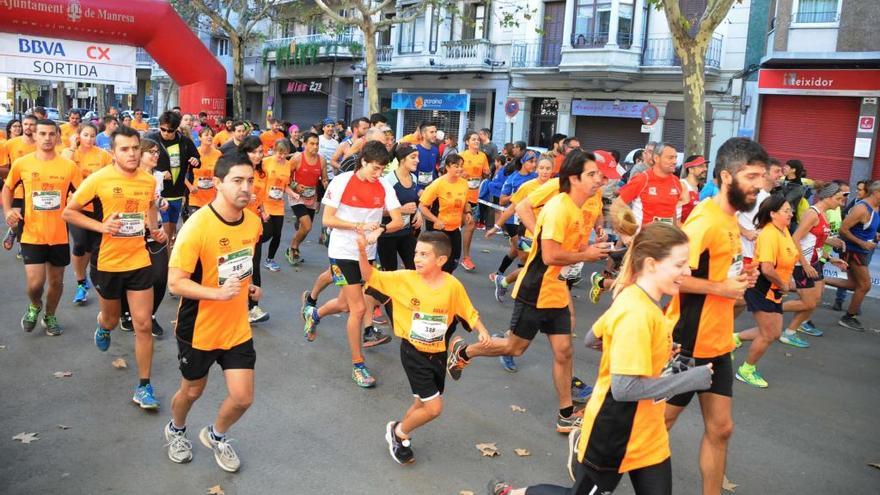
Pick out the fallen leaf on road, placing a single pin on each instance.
(727, 486)
(26, 437)
(522, 452)
(874, 464)
(119, 363)
(465, 492)
(64, 427)
(787, 354)
(488, 449)
(216, 490)
(487, 251)
(2, 347)
(62, 374)
(516, 408)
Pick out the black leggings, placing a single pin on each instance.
(268, 233)
(454, 239)
(390, 247)
(159, 259)
(651, 480)
(272, 233)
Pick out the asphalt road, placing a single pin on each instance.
(312, 431)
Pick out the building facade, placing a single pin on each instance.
(815, 96)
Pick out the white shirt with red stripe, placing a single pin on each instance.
(652, 198)
(359, 201)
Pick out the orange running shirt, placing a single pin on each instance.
(139, 126)
(452, 198)
(591, 209)
(112, 193)
(46, 186)
(203, 179)
(277, 182)
(258, 192)
(423, 313)
(89, 162)
(777, 248)
(705, 321)
(213, 250)
(637, 341)
(522, 193)
(67, 130)
(221, 137)
(538, 284)
(475, 167)
(268, 139)
(16, 148)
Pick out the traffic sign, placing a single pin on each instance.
(511, 107)
(650, 114)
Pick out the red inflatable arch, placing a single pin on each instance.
(151, 24)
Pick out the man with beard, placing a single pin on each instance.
(696, 167)
(225, 134)
(704, 308)
(239, 132)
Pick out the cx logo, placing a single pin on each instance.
(98, 53)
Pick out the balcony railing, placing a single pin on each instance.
(308, 48)
(815, 17)
(535, 54)
(143, 60)
(660, 52)
(599, 40)
(384, 54)
(468, 53)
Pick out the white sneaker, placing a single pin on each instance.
(224, 454)
(257, 315)
(179, 447)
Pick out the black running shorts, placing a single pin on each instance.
(528, 320)
(195, 363)
(722, 379)
(426, 372)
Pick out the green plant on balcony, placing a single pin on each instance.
(307, 53)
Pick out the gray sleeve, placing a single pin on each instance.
(591, 341)
(628, 388)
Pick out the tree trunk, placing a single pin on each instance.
(100, 100)
(693, 64)
(372, 67)
(60, 101)
(237, 77)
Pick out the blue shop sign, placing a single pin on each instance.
(455, 102)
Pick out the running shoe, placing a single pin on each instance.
(508, 363)
(468, 264)
(271, 265)
(378, 319)
(566, 425)
(224, 454)
(125, 323)
(846, 320)
(808, 328)
(143, 396)
(179, 447)
(102, 339)
(157, 330)
(498, 487)
(18, 254)
(304, 299)
(455, 363)
(29, 319)
(573, 439)
(596, 280)
(361, 376)
(257, 315)
(580, 391)
(737, 343)
(292, 256)
(480, 226)
(310, 315)
(748, 374)
(81, 295)
(500, 290)
(837, 306)
(793, 340)
(9, 239)
(399, 448)
(373, 337)
(50, 323)
(576, 282)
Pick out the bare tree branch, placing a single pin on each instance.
(379, 8)
(348, 21)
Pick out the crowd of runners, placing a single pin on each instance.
(184, 210)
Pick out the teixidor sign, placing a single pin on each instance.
(37, 57)
(830, 82)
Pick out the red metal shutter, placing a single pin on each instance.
(876, 174)
(820, 131)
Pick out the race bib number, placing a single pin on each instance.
(406, 219)
(425, 178)
(571, 272)
(736, 267)
(238, 264)
(174, 156)
(46, 200)
(308, 192)
(474, 183)
(206, 183)
(276, 193)
(428, 329)
(668, 220)
(132, 225)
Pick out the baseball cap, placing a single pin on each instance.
(607, 164)
(328, 121)
(696, 162)
(529, 155)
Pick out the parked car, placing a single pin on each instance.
(52, 113)
(130, 113)
(82, 112)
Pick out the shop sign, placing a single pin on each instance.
(608, 108)
(453, 102)
(831, 82)
(304, 87)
